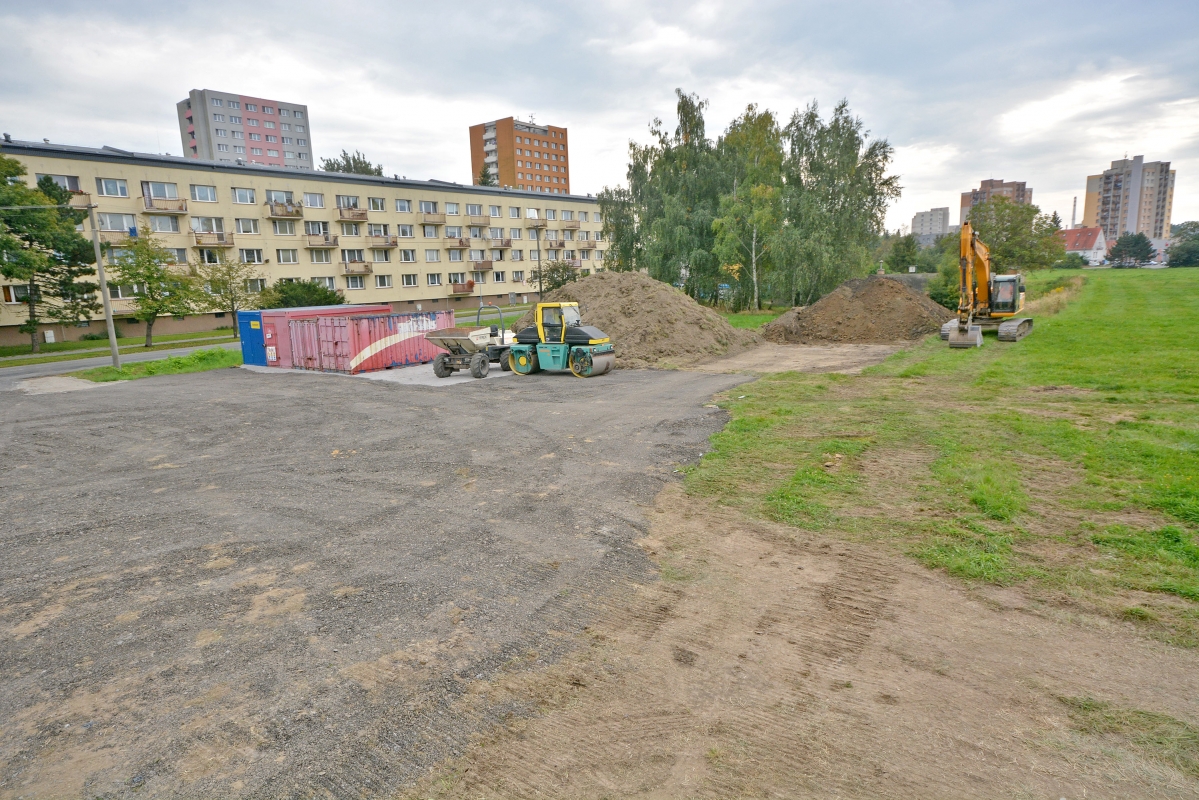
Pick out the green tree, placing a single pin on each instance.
(487, 177)
(905, 252)
(1184, 252)
(40, 248)
(1071, 261)
(227, 286)
(1132, 250)
(355, 163)
(1018, 235)
(745, 234)
(159, 287)
(549, 275)
(298, 294)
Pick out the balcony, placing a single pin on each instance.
(481, 266)
(321, 240)
(462, 288)
(501, 243)
(114, 237)
(284, 210)
(165, 205)
(570, 224)
(482, 222)
(356, 267)
(574, 262)
(535, 223)
(352, 214)
(382, 241)
(213, 239)
(428, 218)
(585, 244)
(457, 244)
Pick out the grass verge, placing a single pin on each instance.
(103, 352)
(1067, 463)
(1158, 737)
(751, 319)
(7, 351)
(199, 361)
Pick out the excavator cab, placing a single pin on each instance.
(1007, 294)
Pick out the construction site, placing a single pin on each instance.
(871, 548)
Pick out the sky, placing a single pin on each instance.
(1042, 92)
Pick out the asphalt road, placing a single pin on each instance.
(10, 377)
(239, 584)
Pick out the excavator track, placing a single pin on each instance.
(1015, 329)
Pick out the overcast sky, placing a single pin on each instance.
(1044, 92)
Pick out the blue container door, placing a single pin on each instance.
(249, 327)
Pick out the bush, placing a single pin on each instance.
(102, 336)
(1071, 261)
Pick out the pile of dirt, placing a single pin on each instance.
(871, 310)
(650, 322)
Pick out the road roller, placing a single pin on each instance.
(560, 341)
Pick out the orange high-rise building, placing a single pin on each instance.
(521, 155)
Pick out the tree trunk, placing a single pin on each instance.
(34, 345)
(236, 327)
(753, 260)
(150, 332)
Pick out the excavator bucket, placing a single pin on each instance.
(960, 339)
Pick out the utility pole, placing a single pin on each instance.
(1074, 212)
(112, 331)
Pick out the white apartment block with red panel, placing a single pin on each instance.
(219, 126)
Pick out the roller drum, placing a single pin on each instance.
(585, 363)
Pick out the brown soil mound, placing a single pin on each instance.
(650, 322)
(865, 310)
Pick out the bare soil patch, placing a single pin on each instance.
(770, 357)
(864, 310)
(650, 322)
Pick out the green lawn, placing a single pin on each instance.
(199, 361)
(1067, 463)
(102, 344)
(751, 319)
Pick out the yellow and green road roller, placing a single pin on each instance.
(560, 341)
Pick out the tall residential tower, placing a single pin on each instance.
(521, 155)
(1131, 197)
(1016, 191)
(219, 126)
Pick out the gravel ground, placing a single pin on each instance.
(238, 584)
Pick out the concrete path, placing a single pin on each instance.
(10, 377)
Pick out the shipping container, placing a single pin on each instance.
(356, 344)
(249, 330)
(276, 341)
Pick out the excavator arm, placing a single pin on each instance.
(974, 289)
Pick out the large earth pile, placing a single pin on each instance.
(871, 310)
(650, 322)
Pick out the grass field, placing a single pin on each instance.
(751, 319)
(1067, 463)
(199, 361)
(8, 351)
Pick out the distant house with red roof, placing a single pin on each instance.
(1087, 242)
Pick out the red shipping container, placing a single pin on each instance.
(356, 344)
(275, 333)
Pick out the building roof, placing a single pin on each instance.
(113, 154)
(1080, 238)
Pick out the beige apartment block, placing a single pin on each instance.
(1016, 191)
(427, 245)
(522, 155)
(1131, 197)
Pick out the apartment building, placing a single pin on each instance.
(418, 245)
(928, 226)
(1131, 197)
(219, 126)
(1016, 191)
(521, 155)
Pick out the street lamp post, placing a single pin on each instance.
(112, 331)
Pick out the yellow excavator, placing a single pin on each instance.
(985, 301)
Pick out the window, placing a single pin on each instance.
(352, 256)
(239, 148)
(534, 255)
(218, 117)
(289, 154)
(278, 196)
(495, 233)
(432, 256)
(298, 115)
(244, 225)
(285, 227)
(568, 215)
(302, 142)
(274, 153)
(250, 256)
(514, 233)
(381, 256)
(111, 187)
(596, 216)
(235, 121)
(222, 132)
(428, 207)
(208, 224)
(16, 294)
(234, 104)
(408, 280)
(216, 101)
(255, 285)
(256, 151)
(478, 276)
(253, 123)
(268, 123)
(328, 281)
(476, 233)
(457, 277)
(451, 208)
(243, 196)
(497, 277)
(283, 112)
(304, 157)
(283, 126)
(404, 206)
(224, 148)
(164, 224)
(321, 256)
(429, 231)
(514, 212)
(376, 203)
(287, 256)
(313, 228)
(531, 213)
(350, 229)
(478, 255)
(516, 255)
(408, 255)
(583, 235)
(404, 231)
(256, 137)
(549, 213)
(474, 210)
(497, 255)
(453, 231)
(382, 281)
(68, 182)
(455, 255)
(584, 254)
(251, 107)
(376, 229)
(347, 201)
(312, 200)
(495, 211)
(518, 275)
(355, 282)
(160, 191)
(434, 278)
(116, 222)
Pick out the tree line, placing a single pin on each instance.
(768, 210)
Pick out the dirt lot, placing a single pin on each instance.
(278, 585)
